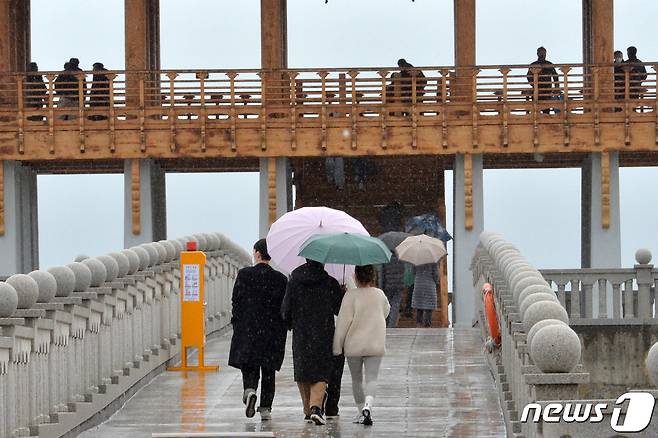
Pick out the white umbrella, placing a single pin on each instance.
(421, 250)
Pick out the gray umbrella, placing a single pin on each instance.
(393, 238)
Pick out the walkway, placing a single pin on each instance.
(433, 383)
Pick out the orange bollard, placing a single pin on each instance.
(192, 315)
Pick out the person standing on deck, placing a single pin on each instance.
(424, 299)
(312, 299)
(259, 333)
(361, 336)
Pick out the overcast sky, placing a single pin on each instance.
(536, 209)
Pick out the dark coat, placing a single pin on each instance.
(259, 333)
(312, 299)
(100, 90)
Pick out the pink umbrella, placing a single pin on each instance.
(291, 230)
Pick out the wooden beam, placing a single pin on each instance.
(468, 191)
(135, 191)
(271, 190)
(605, 190)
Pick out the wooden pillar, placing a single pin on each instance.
(273, 34)
(14, 44)
(598, 42)
(142, 40)
(14, 35)
(443, 264)
(275, 90)
(464, 27)
(598, 31)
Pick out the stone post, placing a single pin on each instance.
(145, 211)
(468, 224)
(19, 242)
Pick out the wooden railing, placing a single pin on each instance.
(493, 109)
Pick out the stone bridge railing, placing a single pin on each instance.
(607, 293)
(76, 338)
(543, 356)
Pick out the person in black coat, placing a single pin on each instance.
(259, 333)
(312, 299)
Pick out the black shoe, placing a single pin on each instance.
(367, 419)
(250, 401)
(317, 416)
(307, 418)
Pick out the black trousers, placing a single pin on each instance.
(333, 389)
(250, 377)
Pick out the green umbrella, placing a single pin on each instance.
(345, 249)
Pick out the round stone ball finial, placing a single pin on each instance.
(98, 271)
(170, 248)
(65, 280)
(555, 349)
(122, 262)
(144, 258)
(540, 325)
(643, 256)
(8, 300)
(133, 260)
(543, 310)
(47, 285)
(26, 288)
(162, 252)
(154, 257)
(111, 267)
(536, 298)
(651, 363)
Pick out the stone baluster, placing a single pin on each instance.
(603, 298)
(616, 300)
(575, 299)
(587, 291)
(629, 299)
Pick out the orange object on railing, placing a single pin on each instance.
(193, 334)
(490, 312)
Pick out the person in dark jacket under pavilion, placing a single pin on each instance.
(312, 299)
(259, 333)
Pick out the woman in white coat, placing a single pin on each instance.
(361, 335)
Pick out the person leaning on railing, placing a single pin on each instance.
(638, 73)
(36, 91)
(66, 89)
(100, 90)
(546, 77)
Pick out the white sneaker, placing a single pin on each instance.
(367, 419)
(265, 414)
(358, 419)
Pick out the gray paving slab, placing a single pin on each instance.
(433, 383)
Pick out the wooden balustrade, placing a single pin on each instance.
(185, 113)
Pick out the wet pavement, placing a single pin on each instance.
(433, 383)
